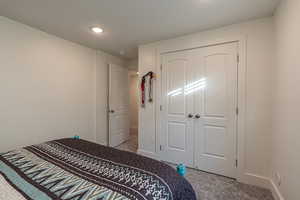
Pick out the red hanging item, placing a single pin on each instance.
(150, 86)
(143, 91)
(143, 88)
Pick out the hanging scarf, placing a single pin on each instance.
(143, 91)
(150, 86)
(143, 88)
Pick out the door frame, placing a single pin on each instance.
(190, 43)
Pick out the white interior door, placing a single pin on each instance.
(198, 120)
(176, 139)
(215, 109)
(118, 105)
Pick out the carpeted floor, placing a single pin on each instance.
(213, 187)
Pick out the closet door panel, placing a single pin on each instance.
(176, 139)
(215, 93)
(215, 103)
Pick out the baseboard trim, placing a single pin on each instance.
(258, 180)
(275, 191)
(147, 154)
(264, 182)
(101, 143)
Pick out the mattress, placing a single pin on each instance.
(77, 169)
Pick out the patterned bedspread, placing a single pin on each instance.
(70, 169)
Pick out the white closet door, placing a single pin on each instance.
(215, 108)
(118, 105)
(176, 139)
(198, 119)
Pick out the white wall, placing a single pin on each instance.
(260, 48)
(286, 120)
(46, 86)
(49, 88)
(132, 64)
(146, 128)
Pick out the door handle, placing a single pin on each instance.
(111, 111)
(198, 116)
(190, 116)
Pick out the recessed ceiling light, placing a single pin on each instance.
(97, 30)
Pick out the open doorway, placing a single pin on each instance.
(119, 110)
(133, 106)
(132, 143)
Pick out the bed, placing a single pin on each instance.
(76, 169)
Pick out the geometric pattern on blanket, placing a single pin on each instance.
(61, 183)
(66, 184)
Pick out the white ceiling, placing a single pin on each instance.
(128, 23)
